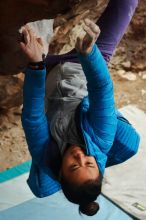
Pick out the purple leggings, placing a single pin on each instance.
(113, 24)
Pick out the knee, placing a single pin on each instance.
(134, 147)
(133, 151)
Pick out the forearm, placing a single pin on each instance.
(101, 112)
(33, 117)
(34, 92)
(95, 69)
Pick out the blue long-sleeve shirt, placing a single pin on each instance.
(98, 121)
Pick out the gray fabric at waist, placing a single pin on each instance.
(65, 88)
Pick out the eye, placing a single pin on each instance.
(89, 163)
(74, 166)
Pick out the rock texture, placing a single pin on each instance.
(13, 15)
(16, 13)
(65, 14)
(61, 33)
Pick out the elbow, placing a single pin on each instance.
(133, 151)
(134, 147)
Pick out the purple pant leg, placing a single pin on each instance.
(113, 24)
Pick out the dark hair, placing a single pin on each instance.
(84, 194)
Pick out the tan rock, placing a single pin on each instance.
(144, 76)
(121, 72)
(128, 75)
(126, 64)
(10, 92)
(143, 92)
(17, 13)
(55, 21)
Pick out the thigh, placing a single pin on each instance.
(113, 24)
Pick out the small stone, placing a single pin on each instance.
(121, 72)
(144, 76)
(122, 49)
(141, 66)
(116, 60)
(143, 92)
(126, 64)
(129, 76)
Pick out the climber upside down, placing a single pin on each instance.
(72, 127)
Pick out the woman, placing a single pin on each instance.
(78, 143)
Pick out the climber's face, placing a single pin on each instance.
(77, 167)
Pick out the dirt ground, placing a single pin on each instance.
(128, 70)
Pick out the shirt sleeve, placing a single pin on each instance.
(101, 113)
(34, 120)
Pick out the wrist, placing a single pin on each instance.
(88, 52)
(37, 65)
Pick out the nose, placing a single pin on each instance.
(80, 157)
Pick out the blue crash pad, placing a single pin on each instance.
(57, 207)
